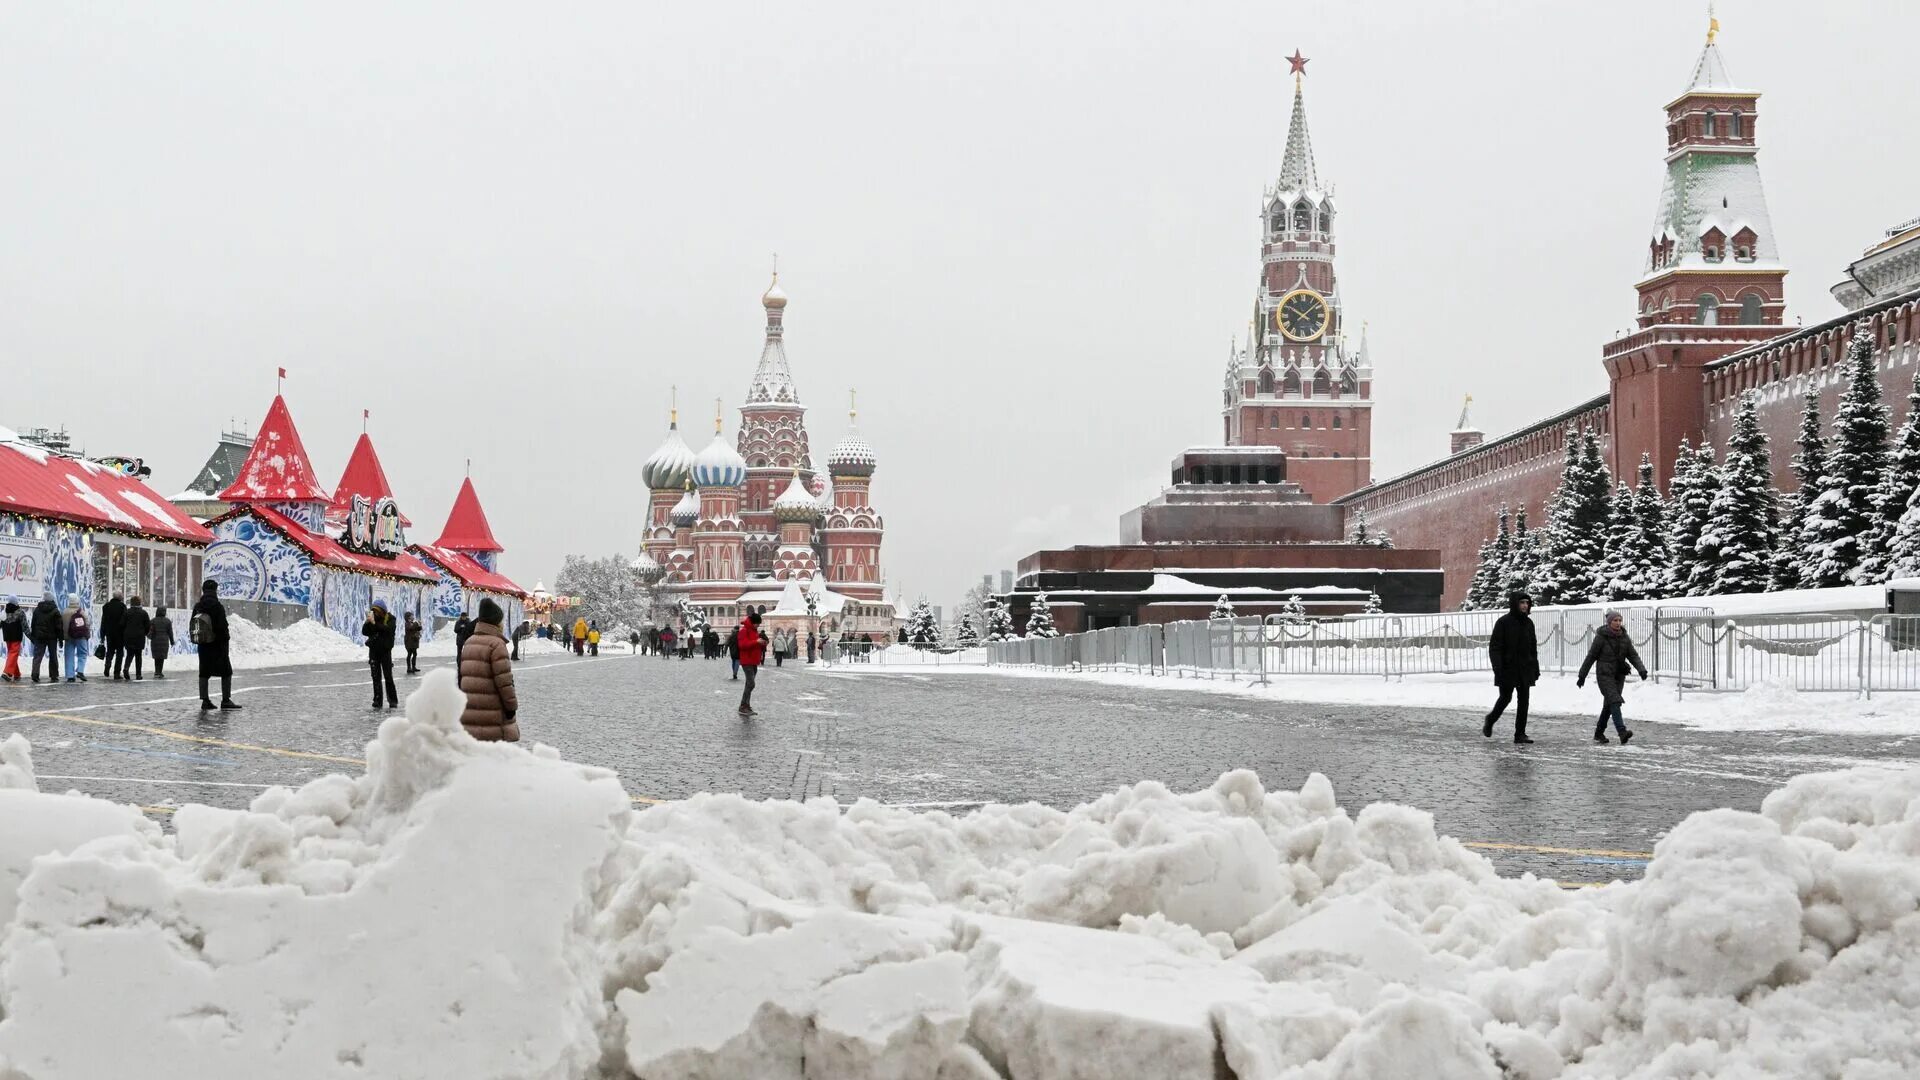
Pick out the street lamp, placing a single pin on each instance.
(813, 625)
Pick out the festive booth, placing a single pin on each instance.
(287, 541)
(465, 558)
(80, 529)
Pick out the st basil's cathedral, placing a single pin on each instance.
(751, 524)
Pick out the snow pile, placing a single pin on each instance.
(480, 910)
(307, 642)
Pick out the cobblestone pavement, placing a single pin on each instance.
(669, 728)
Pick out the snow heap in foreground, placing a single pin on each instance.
(480, 911)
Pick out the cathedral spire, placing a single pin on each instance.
(1296, 172)
(773, 380)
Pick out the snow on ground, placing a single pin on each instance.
(486, 911)
(309, 642)
(1761, 708)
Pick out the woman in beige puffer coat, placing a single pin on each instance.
(486, 677)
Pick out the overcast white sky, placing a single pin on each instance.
(1025, 232)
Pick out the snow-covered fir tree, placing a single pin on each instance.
(1650, 526)
(1523, 562)
(1615, 580)
(922, 628)
(1222, 608)
(999, 621)
(1903, 551)
(1809, 464)
(1897, 485)
(1294, 611)
(1841, 517)
(1689, 494)
(1739, 539)
(610, 591)
(1364, 534)
(1575, 542)
(1489, 578)
(1373, 603)
(967, 636)
(1702, 570)
(1040, 618)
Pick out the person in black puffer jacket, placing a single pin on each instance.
(212, 643)
(134, 625)
(1612, 652)
(1515, 653)
(379, 630)
(48, 632)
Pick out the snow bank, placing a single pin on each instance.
(307, 642)
(479, 910)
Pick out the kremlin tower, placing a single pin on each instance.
(728, 528)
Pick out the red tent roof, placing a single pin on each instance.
(87, 493)
(470, 573)
(467, 528)
(276, 469)
(326, 551)
(364, 477)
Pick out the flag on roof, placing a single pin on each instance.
(363, 477)
(467, 528)
(277, 468)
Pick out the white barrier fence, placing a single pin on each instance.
(1689, 648)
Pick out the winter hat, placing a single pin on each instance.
(754, 618)
(209, 586)
(490, 612)
(1611, 615)
(380, 604)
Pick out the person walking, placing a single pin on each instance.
(665, 648)
(462, 630)
(486, 677)
(13, 631)
(379, 631)
(1609, 656)
(520, 633)
(410, 640)
(134, 625)
(779, 647)
(79, 633)
(48, 636)
(580, 636)
(160, 635)
(1515, 653)
(633, 642)
(208, 632)
(593, 639)
(113, 620)
(733, 650)
(750, 651)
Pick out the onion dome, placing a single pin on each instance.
(719, 465)
(775, 297)
(851, 456)
(648, 569)
(670, 466)
(686, 511)
(796, 503)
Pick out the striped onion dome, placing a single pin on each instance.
(670, 466)
(719, 465)
(686, 511)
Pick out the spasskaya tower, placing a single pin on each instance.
(1296, 384)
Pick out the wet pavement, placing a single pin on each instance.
(1563, 807)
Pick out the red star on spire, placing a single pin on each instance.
(1299, 63)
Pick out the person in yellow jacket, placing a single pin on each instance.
(593, 639)
(580, 637)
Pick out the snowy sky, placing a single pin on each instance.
(1024, 232)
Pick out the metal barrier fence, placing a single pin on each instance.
(1689, 648)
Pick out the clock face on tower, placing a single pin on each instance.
(1301, 316)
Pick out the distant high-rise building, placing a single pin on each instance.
(1006, 581)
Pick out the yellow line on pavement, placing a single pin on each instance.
(203, 740)
(1495, 845)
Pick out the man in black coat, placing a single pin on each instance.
(133, 638)
(379, 631)
(1516, 664)
(48, 632)
(462, 630)
(210, 637)
(113, 621)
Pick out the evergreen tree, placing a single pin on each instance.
(1651, 525)
(1841, 517)
(967, 636)
(1615, 579)
(1523, 564)
(1809, 464)
(1294, 611)
(1688, 494)
(1577, 527)
(1373, 603)
(1897, 486)
(1903, 551)
(1490, 576)
(1739, 539)
(1483, 571)
(922, 628)
(999, 621)
(1365, 534)
(1702, 571)
(1222, 608)
(1040, 618)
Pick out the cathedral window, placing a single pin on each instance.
(1712, 124)
(1290, 383)
(1707, 310)
(1734, 125)
(1326, 220)
(1750, 307)
(1273, 419)
(1306, 421)
(1302, 217)
(1266, 380)
(1336, 426)
(1322, 385)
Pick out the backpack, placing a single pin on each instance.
(200, 630)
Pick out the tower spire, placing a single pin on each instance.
(1296, 171)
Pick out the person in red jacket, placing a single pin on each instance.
(753, 649)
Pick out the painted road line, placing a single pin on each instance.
(164, 754)
(202, 740)
(1495, 845)
(159, 780)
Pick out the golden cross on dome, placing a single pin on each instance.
(853, 412)
(673, 408)
(1713, 23)
(719, 410)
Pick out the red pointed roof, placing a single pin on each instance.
(327, 551)
(470, 573)
(467, 528)
(365, 477)
(277, 468)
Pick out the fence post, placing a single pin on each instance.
(1656, 646)
(1866, 663)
